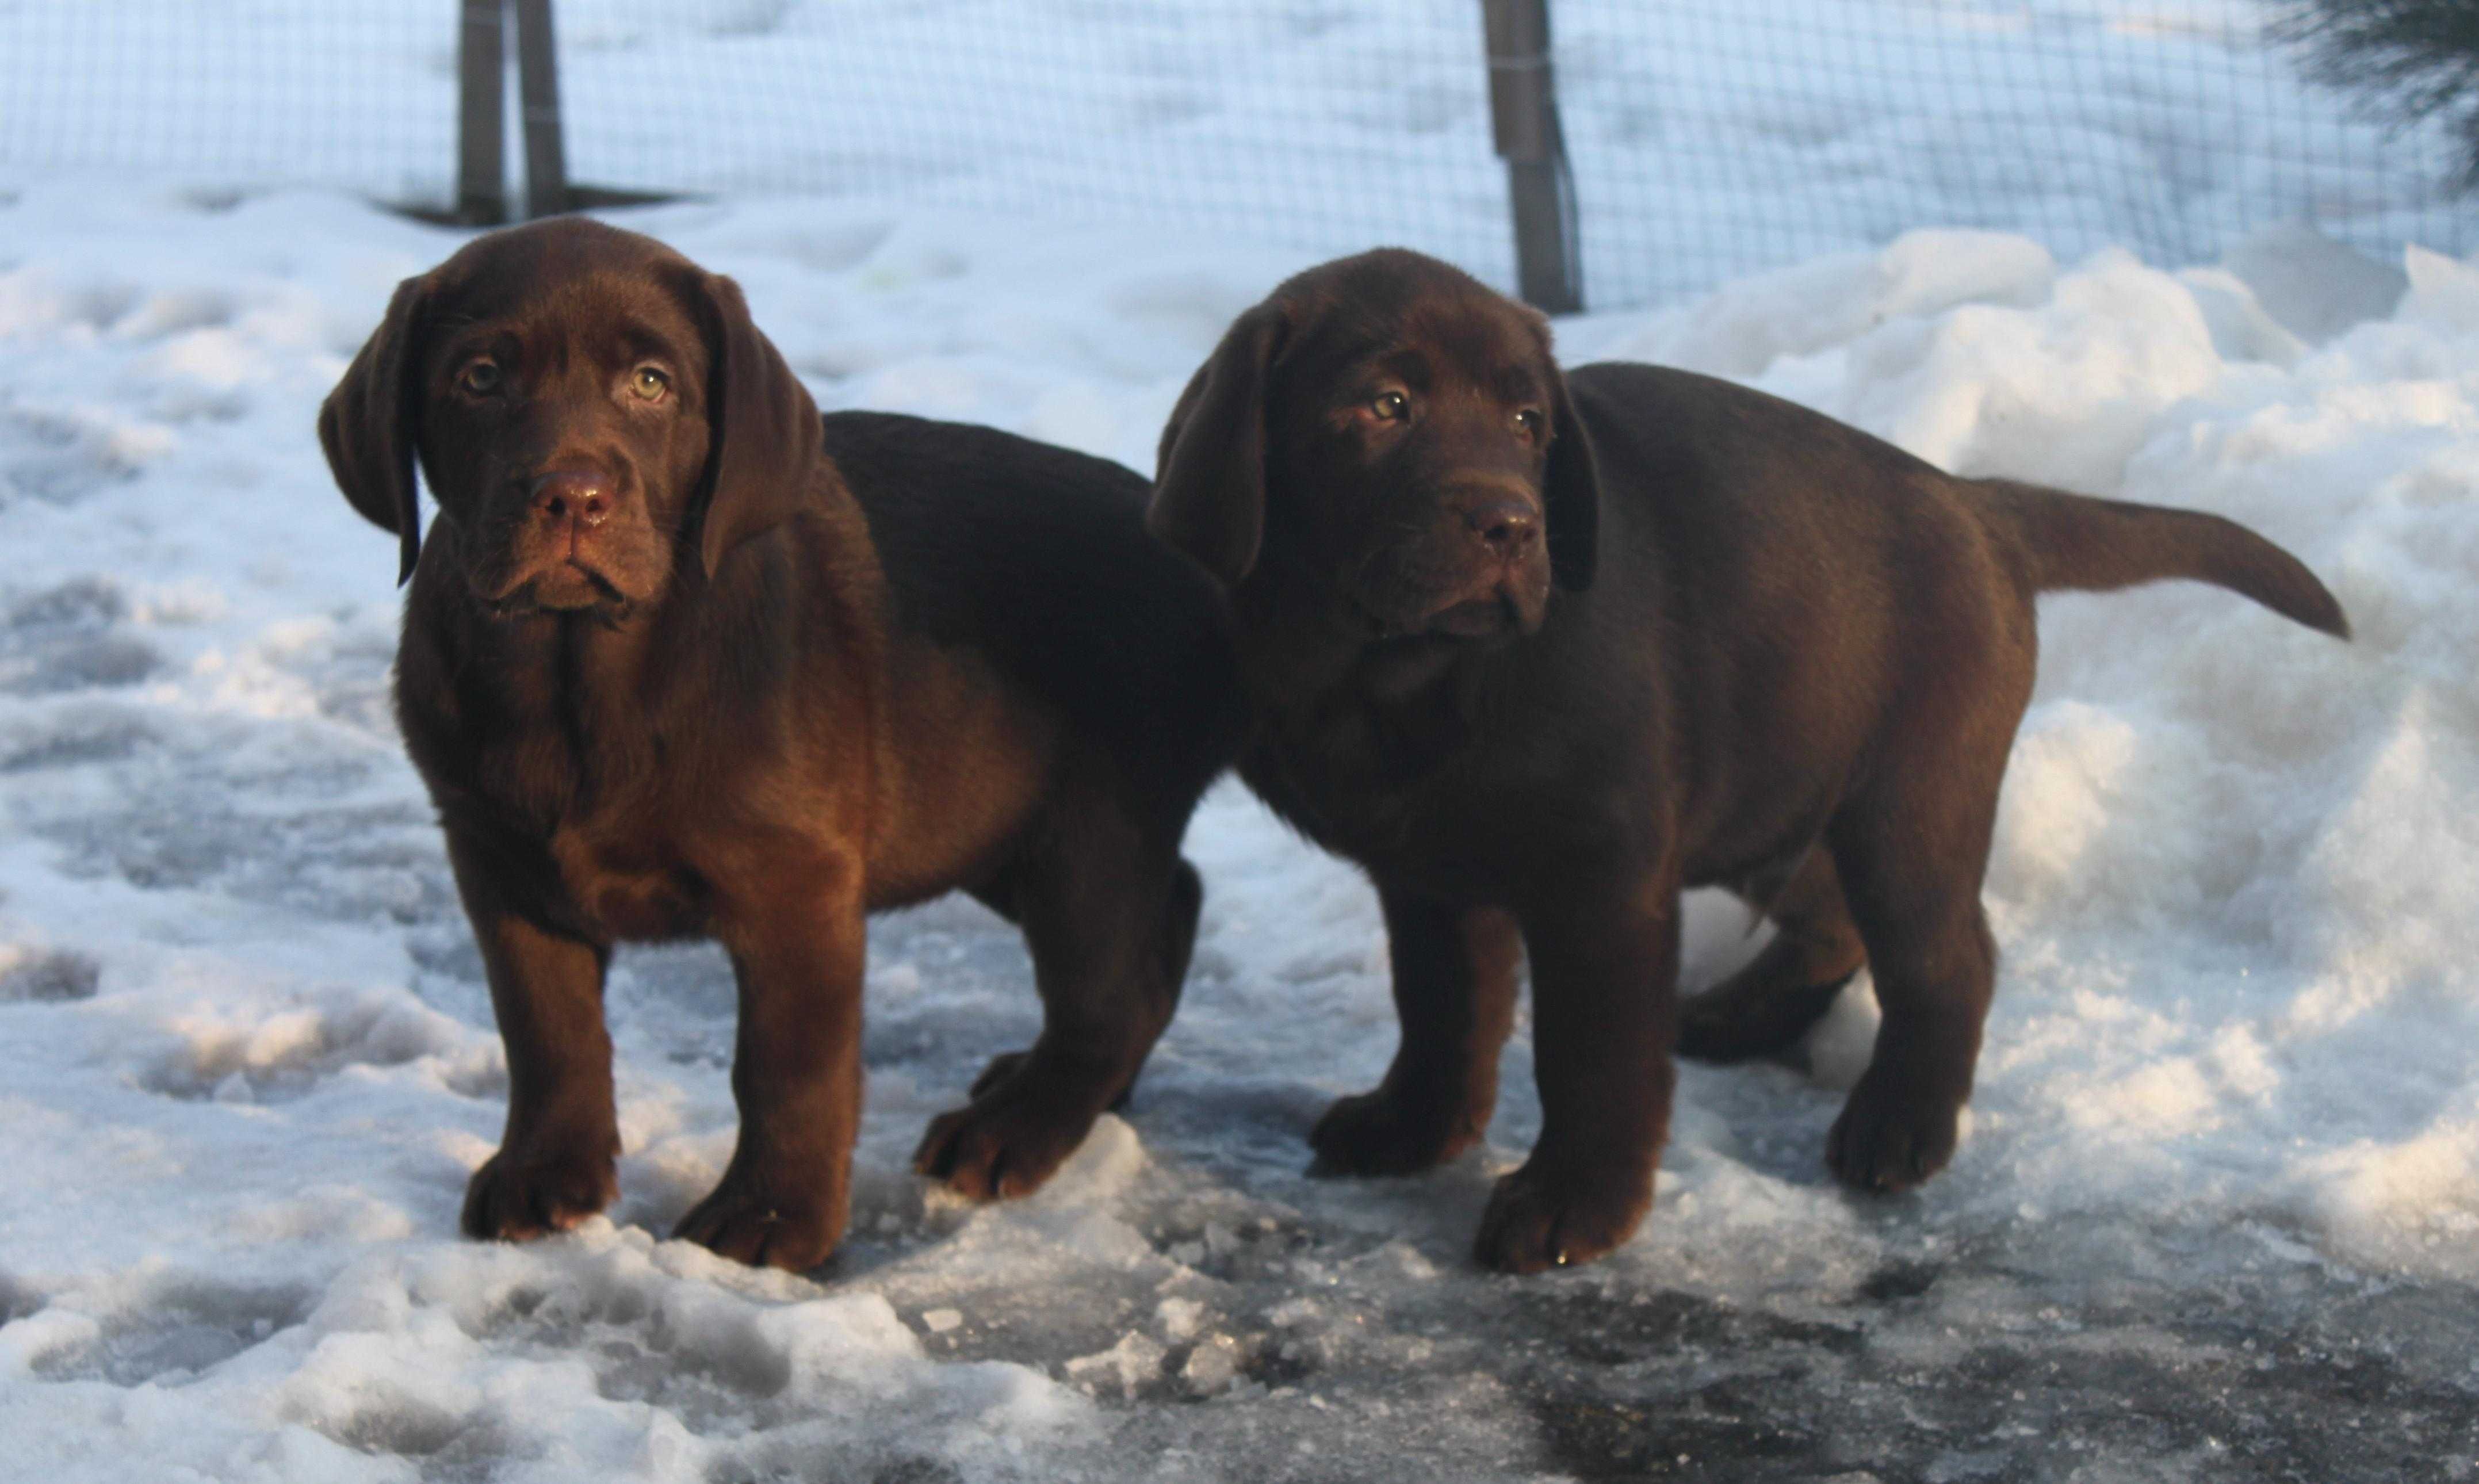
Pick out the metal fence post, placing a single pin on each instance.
(1524, 120)
(481, 112)
(546, 191)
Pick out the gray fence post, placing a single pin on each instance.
(1524, 119)
(481, 112)
(546, 191)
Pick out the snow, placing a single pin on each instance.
(2226, 1141)
(1709, 139)
(2216, 1216)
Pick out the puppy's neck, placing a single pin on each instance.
(1395, 709)
(1303, 647)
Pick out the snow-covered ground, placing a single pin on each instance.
(2217, 1216)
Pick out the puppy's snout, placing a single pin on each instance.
(1504, 524)
(583, 496)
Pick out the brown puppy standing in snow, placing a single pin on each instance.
(1539, 651)
(681, 658)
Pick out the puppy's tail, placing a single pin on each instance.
(2075, 541)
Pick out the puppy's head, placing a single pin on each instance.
(1395, 434)
(595, 416)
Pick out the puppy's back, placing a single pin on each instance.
(1038, 557)
(1750, 473)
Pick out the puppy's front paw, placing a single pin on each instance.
(767, 1222)
(1893, 1134)
(1381, 1132)
(530, 1189)
(1540, 1218)
(1011, 1138)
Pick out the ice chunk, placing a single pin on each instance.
(1125, 1370)
(2311, 285)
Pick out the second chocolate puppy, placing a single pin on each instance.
(1539, 649)
(681, 658)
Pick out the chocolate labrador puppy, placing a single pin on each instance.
(1539, 650)
(682, 658)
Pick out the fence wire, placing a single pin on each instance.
(349, 93)
(1710, 138)
(1319, 125)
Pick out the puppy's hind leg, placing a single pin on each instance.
(1108, 912)
(1454, 992)
(1911, 855)
(1765, 1008)
(1178, 943)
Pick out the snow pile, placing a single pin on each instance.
(2225, 1152)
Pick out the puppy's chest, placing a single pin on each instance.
(631, 881)
(1416, 802)
(623, 833)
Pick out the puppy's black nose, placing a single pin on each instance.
(1507, 527)
(580, 495)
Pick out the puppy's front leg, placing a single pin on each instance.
(1604, 1013)
(554, 1165)
(798, 951)
(1454, 991)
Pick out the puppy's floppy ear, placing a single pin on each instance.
(764, 433)
(1209, 482)
(1573, 498)
(370, 424)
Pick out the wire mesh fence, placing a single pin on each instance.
(1313, 124)
(1713, 138)
(1709, 139)
(358, 95)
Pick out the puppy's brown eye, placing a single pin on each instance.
(1529, 419)
(481, 378)
(649, 383)
(1390, 406)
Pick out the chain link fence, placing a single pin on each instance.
(1707, 138)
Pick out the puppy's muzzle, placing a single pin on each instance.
(1505, 527)
(565, 549)
(1503, 568)
(572, 502)
(1474, 567)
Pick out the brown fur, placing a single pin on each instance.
(1546, 648)
(688, 660)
